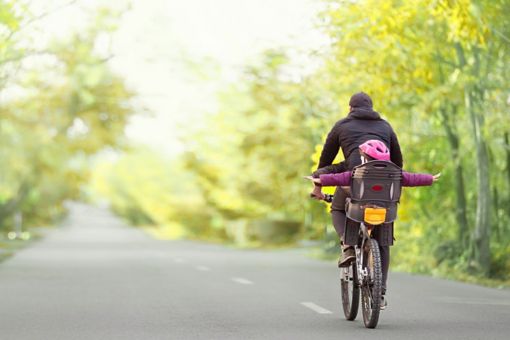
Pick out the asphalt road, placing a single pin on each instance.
(96, 278)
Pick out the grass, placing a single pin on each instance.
(172, 231)
(9, 247)
(468, 278)
(445, 273)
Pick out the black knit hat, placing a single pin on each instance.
(360, 99)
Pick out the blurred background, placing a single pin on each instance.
(197, 119)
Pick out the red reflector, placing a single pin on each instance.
(377, 187)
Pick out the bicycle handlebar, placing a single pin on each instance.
(327, 197)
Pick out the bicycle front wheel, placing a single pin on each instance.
(350, 291)
(372, 284)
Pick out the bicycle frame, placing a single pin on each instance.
(360, 254)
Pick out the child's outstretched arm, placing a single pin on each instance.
(332, 180)
(410, 179)
(341, 179)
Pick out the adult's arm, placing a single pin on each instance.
(330, 169)
(395, 152)
(330, 149)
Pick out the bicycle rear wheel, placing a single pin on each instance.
(372, 284)
(350, 291)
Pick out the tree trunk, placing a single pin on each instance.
(496, 231)
(474, 97)
(12, 205)
(460, 191)
(507, 152)
(448, 113)
(480, 238)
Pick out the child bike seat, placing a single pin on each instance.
(375, 184)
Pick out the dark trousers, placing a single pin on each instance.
(339, 221)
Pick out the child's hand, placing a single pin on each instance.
(435, 178)
(313, 179)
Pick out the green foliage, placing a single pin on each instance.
(148, 190)
(251, 157)
(438, 71)
(58, 108)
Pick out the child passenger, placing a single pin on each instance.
(370, 150)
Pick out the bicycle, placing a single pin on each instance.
(375, 191)
(364, 273)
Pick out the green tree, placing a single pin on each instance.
(443, 59)
(70, 105)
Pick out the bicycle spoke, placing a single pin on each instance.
(372, 284)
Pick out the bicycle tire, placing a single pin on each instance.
(371, 289)
(350, 291)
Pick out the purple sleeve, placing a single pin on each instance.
(415, 180)
(341, 179)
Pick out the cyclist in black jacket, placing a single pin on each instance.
(361, 124)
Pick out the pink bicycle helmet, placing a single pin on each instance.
(376, 149)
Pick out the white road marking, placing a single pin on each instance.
(316, 308)
(242, 281)
(178, 260)
(203, 268)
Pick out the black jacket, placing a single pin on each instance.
(360, 125)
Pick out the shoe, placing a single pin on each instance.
(384, 302)
(348, 255)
